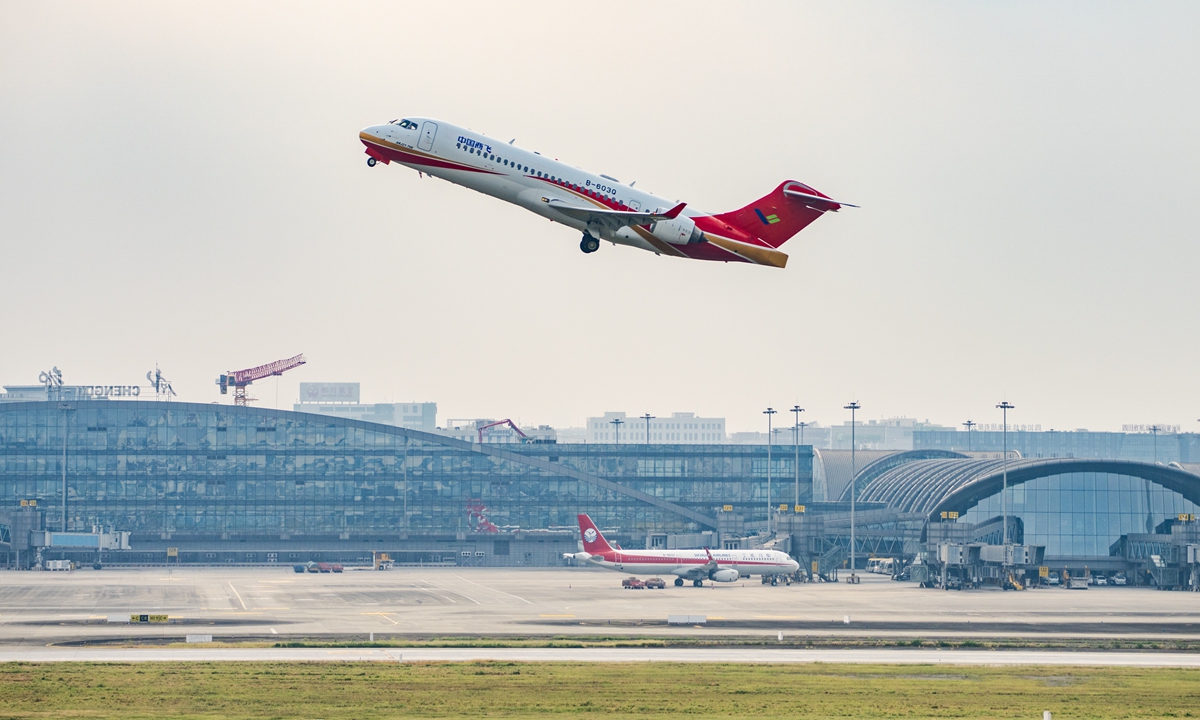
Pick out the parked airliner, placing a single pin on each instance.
(694, 565)
(599, 206)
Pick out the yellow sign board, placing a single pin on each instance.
(726, 508)
(1043, 571)
(949, 515)
(800, 508)
(173, 552)
(33, 503)
(24, 503)
(816, 566)
(783, 507)
(1187, 517)
(147, 618)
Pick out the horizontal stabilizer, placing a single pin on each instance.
(823, 201)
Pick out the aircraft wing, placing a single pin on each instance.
(625, 217)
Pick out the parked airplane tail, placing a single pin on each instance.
(787, 210)
(593, 540)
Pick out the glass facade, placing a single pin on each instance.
(218, 471)
(1083, 514)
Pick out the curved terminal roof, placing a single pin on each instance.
(932, 486)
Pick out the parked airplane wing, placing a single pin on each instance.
(626, 217)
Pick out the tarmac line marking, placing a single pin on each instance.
(384, 615)
(454, 592)
(545, 615)
(460, 577)
(452, 600)
(274, 631)
(239, 595)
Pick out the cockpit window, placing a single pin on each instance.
(406, 124)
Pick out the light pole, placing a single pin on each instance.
(66, 411)
(1005, 407)
(802, 426)
(969, 424)
(796, 410)
(647, 417)
(769, 412)
(853, 407)
(617, 423)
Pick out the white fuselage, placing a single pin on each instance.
(693, 564)
(519, 176)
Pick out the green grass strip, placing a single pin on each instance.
(609, 690)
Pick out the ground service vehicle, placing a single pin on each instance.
(633, 584)
(655, 584)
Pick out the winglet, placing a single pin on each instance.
(674, 212)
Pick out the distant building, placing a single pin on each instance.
(342, 400)
(891, 434)
(1164, 448)
(683, 428)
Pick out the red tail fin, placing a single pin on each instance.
(593, 541)
(787, 210)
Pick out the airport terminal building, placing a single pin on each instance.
(214, 483)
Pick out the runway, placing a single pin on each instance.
(274, 603)
(681, 655)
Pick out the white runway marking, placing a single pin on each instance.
(460, 577)
(239, 596)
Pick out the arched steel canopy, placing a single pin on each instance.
(933, 486)
(879, 466)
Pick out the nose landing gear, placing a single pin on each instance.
(589, 244)
(370, 162)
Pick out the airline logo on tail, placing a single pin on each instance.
(590, 535)
(766, 219)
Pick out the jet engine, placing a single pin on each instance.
(726, 575)
(680, 231)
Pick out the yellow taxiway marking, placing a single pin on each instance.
(715, 617)
(383, 615)
(547, 615)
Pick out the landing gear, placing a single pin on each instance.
(371, 162)
(678, 582)
(589, 244)
(698, 583)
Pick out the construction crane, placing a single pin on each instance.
(239, 379)
(506, 421)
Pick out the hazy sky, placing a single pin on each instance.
(183, 184)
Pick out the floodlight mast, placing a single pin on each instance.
(853, 407)
(796, 410)
(1004, 407)
(769, 412)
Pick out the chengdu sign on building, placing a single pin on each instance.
(326, 392)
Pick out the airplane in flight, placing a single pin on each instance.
(694, 565)
(599, 206)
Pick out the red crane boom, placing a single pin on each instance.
(239, 379)
(506, 421)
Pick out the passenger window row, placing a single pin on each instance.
(546, 176)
